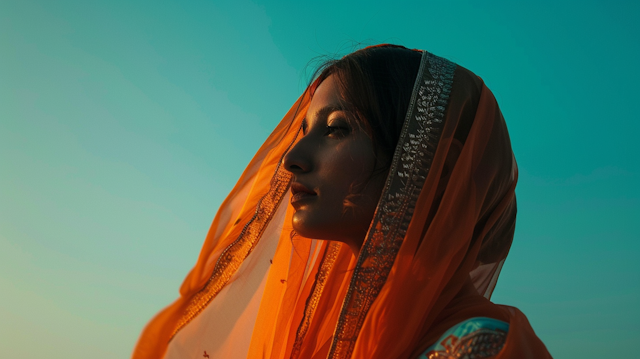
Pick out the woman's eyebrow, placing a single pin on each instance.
(327, 110)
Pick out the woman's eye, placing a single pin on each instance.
(337, 131)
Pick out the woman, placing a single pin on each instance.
(372, 223)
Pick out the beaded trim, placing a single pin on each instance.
(411, 163)
(232, 257)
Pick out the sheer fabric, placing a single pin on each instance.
(223, 329)
(428, 262)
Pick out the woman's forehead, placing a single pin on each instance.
(326, 100)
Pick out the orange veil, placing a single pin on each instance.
(428, 262)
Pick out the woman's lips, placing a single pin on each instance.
(300, 192)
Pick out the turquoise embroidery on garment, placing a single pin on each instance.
(474, 338)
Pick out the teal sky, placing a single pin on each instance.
(124, 124)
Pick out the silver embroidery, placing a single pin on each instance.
(410, 166)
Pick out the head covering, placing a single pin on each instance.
(428, 262)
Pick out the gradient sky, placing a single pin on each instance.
(123, 125)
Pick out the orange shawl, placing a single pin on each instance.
(427, 263)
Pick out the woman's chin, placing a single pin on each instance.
(301, 224)
(305, 225)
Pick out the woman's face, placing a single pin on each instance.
(334, 191)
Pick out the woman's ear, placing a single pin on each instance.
(449, 163)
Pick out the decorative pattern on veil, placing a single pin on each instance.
(410, 166)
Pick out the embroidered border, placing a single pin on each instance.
(328, 260)
(410, 166)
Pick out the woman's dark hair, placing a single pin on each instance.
(375, 84)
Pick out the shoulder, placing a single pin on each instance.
(477, 337)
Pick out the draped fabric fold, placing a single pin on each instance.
(430, 260)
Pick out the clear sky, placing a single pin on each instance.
(123, 125)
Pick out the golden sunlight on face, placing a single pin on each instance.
(334, 192)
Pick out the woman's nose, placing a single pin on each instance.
(298, 159)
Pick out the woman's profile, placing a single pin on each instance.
(372, 223)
